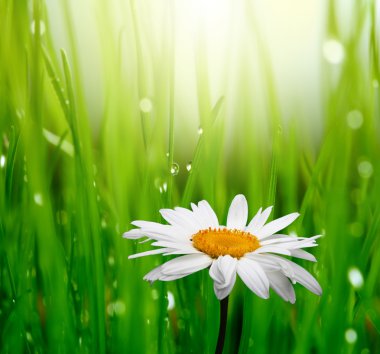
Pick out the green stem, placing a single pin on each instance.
(222, 325)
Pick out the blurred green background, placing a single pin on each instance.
(110, 111)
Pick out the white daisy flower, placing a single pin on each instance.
(250, 251)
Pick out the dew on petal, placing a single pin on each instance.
(351, 336)
(171, 301)
(365, 169)
(355, 277)
(354, 119)
(174, 169)
(145, 105)
(333, 51)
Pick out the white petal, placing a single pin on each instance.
(266, 263)
(295, 244)
(303, 254)
(282, 286)
(255, 225)
(178, 268)
(275, 240)
(154, 274)
(223, 272)
(297, 274)
(272, 249)
(253, 276)
(206, 210)
(255, 219)
(133, 234)
(149, 253)
(160, 231)
(276, 225)
(238, 213)
(306, 279)
(186, 264)
(179, 219)
(182, 251)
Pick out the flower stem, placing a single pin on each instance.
(222, 326)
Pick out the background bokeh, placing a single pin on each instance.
(111, 110)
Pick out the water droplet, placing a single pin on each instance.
(145, 105)
(29, 337)
(116, 308)
(111, 261)
(61, 217)
(200, 131)
(114, 284)
(154, 294)
(84, 316)
(2, 161)
(67, 102)
(148, 321)
(103, 223)
(356, 229)
(163, 188)
(365, 169)
(174, 169)
(171, 301)
(80, 340)
(20, 113)
(354, 119)
(333, 51)
(188, 166)
(167, 154)
(38, 199)
(355, 277)
(351, 336)
(74, 285)
(42, 27)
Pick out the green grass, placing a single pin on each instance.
(68, 191)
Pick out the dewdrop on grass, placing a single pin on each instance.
(354, 119)
(333, 51)
(42, 27)
(145, 105)
(355, 277)
(365, 169)
(351, 336)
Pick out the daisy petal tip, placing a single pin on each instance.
(132, 234)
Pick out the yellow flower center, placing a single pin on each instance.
(220, 242)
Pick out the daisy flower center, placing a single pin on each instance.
(221, 242)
